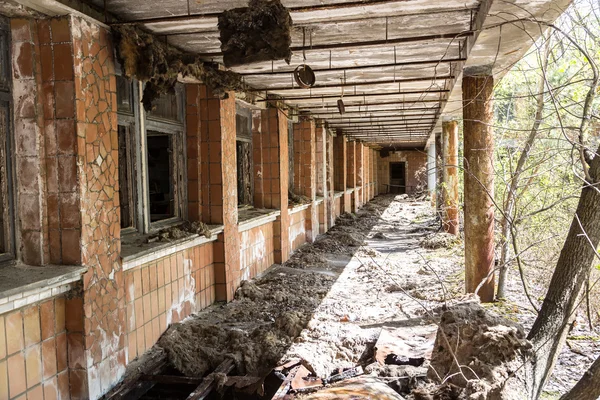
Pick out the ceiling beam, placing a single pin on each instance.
(301, 9)
(372, 121)
(363, 105)
(355, 84)
(371, 112)
(357, 67)
(307, 23)
(367, 43)
(348, 97)
(340, 119)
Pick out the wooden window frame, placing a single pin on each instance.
(240, 111)
(140, 125)
(7, 178)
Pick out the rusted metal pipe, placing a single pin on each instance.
(477, 89)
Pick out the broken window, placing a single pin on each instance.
(151, 159)
(163, 173)
(245, 172)
(6, 204)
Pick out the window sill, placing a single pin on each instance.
(337, 194)
(253, 222)
(319, 200)
(348, 191)
(138, 252)
(21, 284)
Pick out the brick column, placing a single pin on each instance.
(339, 169)
(29, 149)
(367, 172)
(193, 140)
(305, 171)
(321, 175)
(219, 187)
(274, 132)
(96, 169)
(329, 167)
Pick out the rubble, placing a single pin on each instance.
(180, 231)
(440, 240)
(476, 353)
(297, 199)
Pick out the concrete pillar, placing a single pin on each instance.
(351, 172)
(450, 176)
(431, 175)
(477, 89)
(439, 173)
(358, 159)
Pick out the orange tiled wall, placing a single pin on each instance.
(337, 206)
(257, 251)
(166, 291)
(298, 228)
(322, 217)
(33, 351)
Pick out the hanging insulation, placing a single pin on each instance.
(259, 32)
(160, 65)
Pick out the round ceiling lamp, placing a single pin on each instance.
(304, 76)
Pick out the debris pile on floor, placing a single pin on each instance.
(440, 240)
(475, 355)
(268, 313)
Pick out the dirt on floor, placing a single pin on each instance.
(370, 292)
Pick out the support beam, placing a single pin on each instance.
(454, 36)
(358, 67)
(431, 175)
(450, 176)
(477, 89)
(357, 96)
(365, 105)
(370, 113)
(355, 84)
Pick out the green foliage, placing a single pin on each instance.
(549, 187)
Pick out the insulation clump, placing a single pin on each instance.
(259, 32)
(160, 66)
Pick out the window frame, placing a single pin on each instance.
(7, 177)
(140, 124)
(241, 110)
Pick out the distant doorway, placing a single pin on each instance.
(398, 177)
